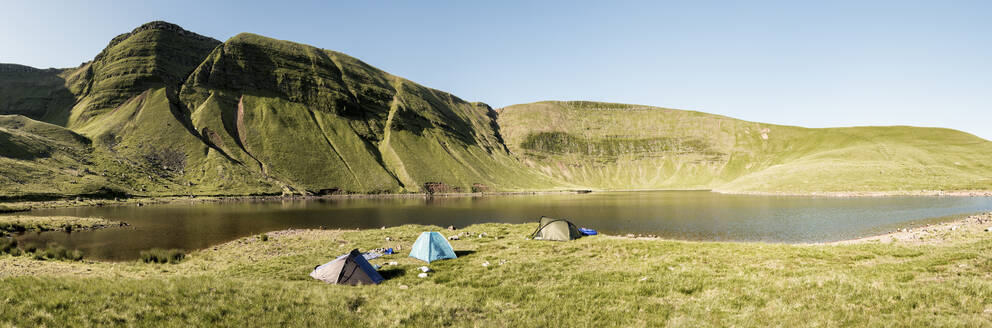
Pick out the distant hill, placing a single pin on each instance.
(165, 111)
(45, 161)
(620, 146)
(40, 94)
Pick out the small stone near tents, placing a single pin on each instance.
(432, 246)
(555, 229)
(348, 269)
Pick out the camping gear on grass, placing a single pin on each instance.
(371, 255)
(588, 232)
(348, 269)
(555, 229)
(432, 246)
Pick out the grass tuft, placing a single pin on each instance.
(7, 245)
(158, 255)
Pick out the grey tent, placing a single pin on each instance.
(555, 229)
(348, 269)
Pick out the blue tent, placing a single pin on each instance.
(431, 246)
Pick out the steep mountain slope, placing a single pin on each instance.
(154, 55)
(620, 146)
(319, 119)
(170, 112)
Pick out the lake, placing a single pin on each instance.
(686, 215)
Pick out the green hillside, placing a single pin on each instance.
(170, 112)
(39, 94)
(154, 55)
(44, 160)
(164, 111)
(619, 146)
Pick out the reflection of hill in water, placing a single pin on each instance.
(690, 215)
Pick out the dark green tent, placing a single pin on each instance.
(555, 229)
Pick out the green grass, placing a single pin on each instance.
(35, 93)
(315, 119)
(22, 223)
(11, 208)
(154, 55)
(157, 255)
(594, 281)
(620, 146)
(43, 161)
(54, 252)
(252, 115)
(57, 252)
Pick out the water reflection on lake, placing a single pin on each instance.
(691, 215)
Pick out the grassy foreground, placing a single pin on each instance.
(594, 281)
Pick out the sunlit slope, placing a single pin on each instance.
(618, 146)
(317, 119)
(875, 159)
(43, 160)
(149, 150)
(144, 140)
(154, 55)
(164, 111)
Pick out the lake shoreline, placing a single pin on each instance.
(23, 206)
(20, 224)
(932, 234)
(929, 234)
(864, 194)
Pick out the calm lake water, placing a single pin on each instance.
(690, 215)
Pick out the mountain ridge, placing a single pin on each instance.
(187, 114)
(166, 111)
(719, 152)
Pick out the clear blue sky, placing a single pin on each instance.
(823, 64)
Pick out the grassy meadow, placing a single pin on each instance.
(594, 281)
